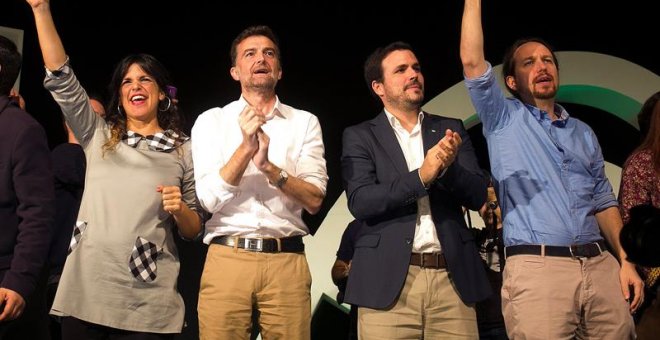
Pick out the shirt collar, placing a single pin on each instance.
(540, 115)
(163, 141)
(394, 122)
(277, 110)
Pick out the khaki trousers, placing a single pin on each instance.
(235, 280)
(547, 297)
(427, 308)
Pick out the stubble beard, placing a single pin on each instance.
(262, 85)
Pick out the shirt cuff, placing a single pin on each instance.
(419, 174)
(429, 186)
(62, 71)
(219, 182)
(315, 181)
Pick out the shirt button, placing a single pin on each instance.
(408, 241)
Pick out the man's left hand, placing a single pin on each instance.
(260, 158)
(629, 277)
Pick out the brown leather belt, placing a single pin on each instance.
(577, 250)
(293, 244)
(428, 260)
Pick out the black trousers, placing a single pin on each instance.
(76, 329)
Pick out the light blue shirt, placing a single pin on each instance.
(550, 176)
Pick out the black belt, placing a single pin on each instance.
(428, 260)
(293, 244)
(581, 250)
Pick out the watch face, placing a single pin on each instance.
(283, 177)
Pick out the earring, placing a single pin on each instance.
(169, 103)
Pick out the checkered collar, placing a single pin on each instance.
(161, 141)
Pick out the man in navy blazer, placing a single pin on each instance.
(416, 272)
(27, 211)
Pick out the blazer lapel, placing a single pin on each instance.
(384, 134)
(431, 132)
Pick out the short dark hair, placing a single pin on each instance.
(373, 66)
(10, 64)
(251, 31)
(509, 62)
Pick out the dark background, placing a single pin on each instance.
(324, 45)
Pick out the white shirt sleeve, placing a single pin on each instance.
(311, 165)
(213, 192)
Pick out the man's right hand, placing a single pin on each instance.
(13, 304)
(340, 270)
(250, 120)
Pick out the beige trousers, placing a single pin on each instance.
(564, 298)
(235, 280)
(427, 308)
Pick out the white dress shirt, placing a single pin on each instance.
(426, 238)
(256, 208)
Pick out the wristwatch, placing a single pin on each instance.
(284, 176)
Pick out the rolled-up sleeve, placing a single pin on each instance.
(311, 165)
(489, 101)
(603, 194)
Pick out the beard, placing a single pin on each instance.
(261, 84)
(406, 100)
(414, 100)
(544, 93)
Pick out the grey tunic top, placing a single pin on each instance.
(122, 271)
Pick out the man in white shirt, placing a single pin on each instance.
(258, 163)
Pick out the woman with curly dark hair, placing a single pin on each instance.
(120, 277)
(640, 185)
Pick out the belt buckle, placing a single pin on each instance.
(600, 250)
(253, 244)
(579, 251)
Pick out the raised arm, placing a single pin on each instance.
(49, 41)
(472, 40)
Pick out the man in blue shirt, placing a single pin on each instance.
(559, 281)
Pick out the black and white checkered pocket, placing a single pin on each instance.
(78, 231)
(143, 260)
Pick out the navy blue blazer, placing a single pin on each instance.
(27, 199)
(383, 193)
